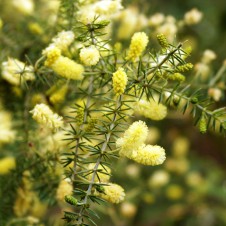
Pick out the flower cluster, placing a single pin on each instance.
(113, 193)
(159, 179)
(7, 134)
(193, 16)
(65, 188)
(63, 39)
(25, 7)
(58, 96)
(138, 44)
(16, 72)
(60, 64)
(119, 81)
(68, 68)
(7, 164)
(101, 9)
(151, 109)
(27, 202)
(45, 116)
(203, 70)
(89, 55)
(149, 155)
(133, 138)
(107, 7)
(52, 54)
(132, 145)
(102, 175)
(208, 56)
(177, 77)
(215, 93)
(63, 66)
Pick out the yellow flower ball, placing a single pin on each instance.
(7, 164)
(113, 193)
(119, 81)
(138, 44)
(133, 137)
(151, 155)
(128, 209)
(174, 192)
(64, 188)
(158, 179)
(89, 56)
(180, 146)
(16, 72)
(151, 109)
(45, 116)
(68, 68)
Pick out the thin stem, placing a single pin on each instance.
(38, 62)
(103, 150)
(203, 109)
(90, 90)
(218, 75)
(164, 60)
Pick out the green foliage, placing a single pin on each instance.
(78, 160)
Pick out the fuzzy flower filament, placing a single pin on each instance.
(137, 46)
(26, 7)
(107, 7)
(113, 193)
(133, 137)
(63, 39)
(7, 134)
(65, 188)
(119, 81)
(132, 145)
(63, 66)
(151, 109)
(45, 116)
(68, 68)
(89, 55)
(7, 164)
(151, 155)
(16, 72)
(52, 54)
(59, 95)
(193, 16)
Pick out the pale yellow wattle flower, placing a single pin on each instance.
(7, 164)
(138, 44)
(64, 188)
(45, 116)
(119, 81)
(151, 155)
(89, 55)
(16, 72)
(133, 138)
(113, 193)
(151, 109)
(68, 68)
